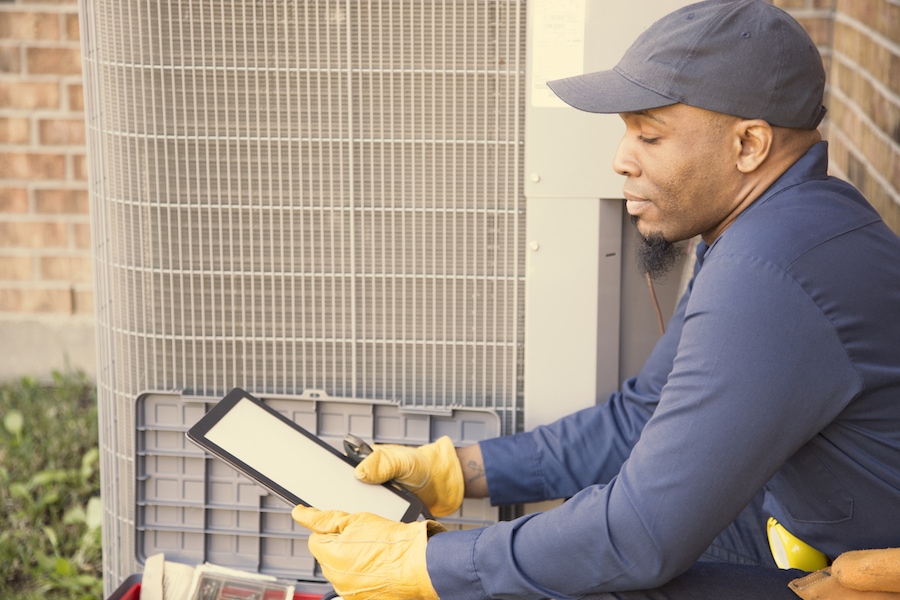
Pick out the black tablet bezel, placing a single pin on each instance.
(197, 435)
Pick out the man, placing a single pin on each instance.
(775, 391)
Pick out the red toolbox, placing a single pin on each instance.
(131, 590)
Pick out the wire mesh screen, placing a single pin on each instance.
(302, 195)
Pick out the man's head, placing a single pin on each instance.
(718, 99)
(744, 58)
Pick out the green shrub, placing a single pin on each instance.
(50, 508)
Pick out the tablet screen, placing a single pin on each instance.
(261, 441)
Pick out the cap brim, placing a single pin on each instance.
(607, 92)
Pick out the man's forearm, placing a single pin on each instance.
(472, 464)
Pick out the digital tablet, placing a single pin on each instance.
(293, 463)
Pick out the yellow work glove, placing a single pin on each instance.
(825, 585)
(432, 472)
(367, 556)
(876, 570)
(854, 575)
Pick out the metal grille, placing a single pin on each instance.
(303, 195)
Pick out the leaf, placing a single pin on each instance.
(45, 562)
(63, 567)
(51, 535)
(14, 422)
(94, 513)
(48, 499)
(86, 580)
(74, 516)
(48, 477)
(89, 463)
(19, 490)
(89, 542)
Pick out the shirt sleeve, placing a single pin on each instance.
(743, 395)
(587, 447)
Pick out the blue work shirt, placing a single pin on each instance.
(780, 371)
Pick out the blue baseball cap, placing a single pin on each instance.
(745, 58)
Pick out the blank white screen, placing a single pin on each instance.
(299, 464)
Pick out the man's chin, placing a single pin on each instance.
(655, 254)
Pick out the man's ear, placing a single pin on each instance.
(755, 140)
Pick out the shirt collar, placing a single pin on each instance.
(810, 166)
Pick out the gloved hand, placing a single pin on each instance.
(854, 575)
(876, 570)
(367, 556)
(432, 472)
(824, 585)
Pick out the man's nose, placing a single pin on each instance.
(623, 162)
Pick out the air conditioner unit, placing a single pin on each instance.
(370, 213)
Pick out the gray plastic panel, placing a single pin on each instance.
(195, 508)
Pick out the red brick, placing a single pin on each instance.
(26, 26)
(892, 216)
(76, 97)
(80, 167)
(13, 200)
(65, 268)
(61, 201)
(55, 300)
(28, 165)
(819, 29)
(15, 130)
(885, 205)
(16, 268)
(81, 235)
(53, 61)
(61, 132)
(83, 302)
(10, 300)
(790, 4)
(29, 94)
(894, 174)
(881, 15)
(41, 234)
(892, 70)
(10, 58)
(73, 31)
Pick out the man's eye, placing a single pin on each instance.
(647, 140)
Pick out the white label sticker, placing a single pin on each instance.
(558, 46)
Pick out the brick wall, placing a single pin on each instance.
(45, 262)
(865, 101)
(860, 42)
